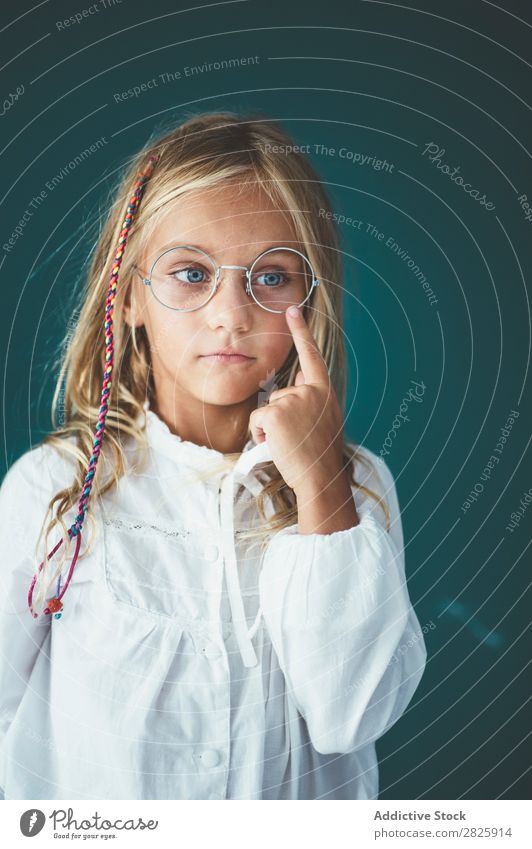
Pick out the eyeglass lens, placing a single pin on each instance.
(184, 278)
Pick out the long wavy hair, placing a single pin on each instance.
(200, 153)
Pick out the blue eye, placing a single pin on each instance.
(193, 275)
(272, 278)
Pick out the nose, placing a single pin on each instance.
(230, 306)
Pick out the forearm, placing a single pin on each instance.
(325, 510)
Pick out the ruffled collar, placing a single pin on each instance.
(200, 457)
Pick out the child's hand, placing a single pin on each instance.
(303, 423)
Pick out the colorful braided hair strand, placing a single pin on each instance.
(54, 604)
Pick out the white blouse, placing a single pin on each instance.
(191, 664)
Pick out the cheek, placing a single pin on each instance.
(172, 338)
(275, 341)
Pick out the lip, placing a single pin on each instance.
(220, 357)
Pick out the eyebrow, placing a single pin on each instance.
(175, 244)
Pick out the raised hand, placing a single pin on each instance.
(303, 426)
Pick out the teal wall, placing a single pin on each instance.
(382, 82)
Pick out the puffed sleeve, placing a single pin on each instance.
(24, 496)
(339, 616)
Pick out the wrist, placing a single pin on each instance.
(333, 487)
(325, 509)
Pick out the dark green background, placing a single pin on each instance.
(382, 80)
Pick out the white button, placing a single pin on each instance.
(210, 757)
(211, 650)
(211, 553)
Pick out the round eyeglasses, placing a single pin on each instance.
(185, 278)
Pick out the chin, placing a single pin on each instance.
(223, 395)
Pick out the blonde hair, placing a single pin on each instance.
(204, 151)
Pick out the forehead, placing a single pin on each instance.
(227, 219)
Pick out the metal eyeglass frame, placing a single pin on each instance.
(217, 269)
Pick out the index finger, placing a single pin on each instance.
(310, 359)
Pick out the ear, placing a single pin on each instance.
(130, 309)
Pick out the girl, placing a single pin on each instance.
(232, 621)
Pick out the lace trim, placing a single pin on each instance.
(124, 524)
